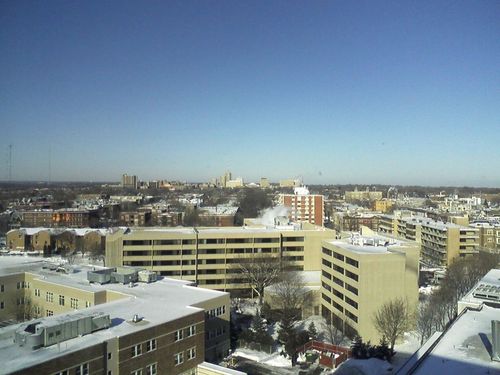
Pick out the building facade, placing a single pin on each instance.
(442, 243)
(66, 217)
(130, 182)
(360, 274)
(165, 327)
(304, 206)
(210, 256)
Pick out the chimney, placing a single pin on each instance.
(495, 338)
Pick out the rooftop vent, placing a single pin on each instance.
(136, 318)
(495, 338)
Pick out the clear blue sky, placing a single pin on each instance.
(334, 91)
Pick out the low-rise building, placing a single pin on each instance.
(164, 327)
(65, 217)
(471, 343)
(210, 256)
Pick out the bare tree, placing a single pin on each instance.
(26, 309)
(259, 271)
(98, 254)
(69, 255)
(334, 334)
(393, 319)
(290, 295)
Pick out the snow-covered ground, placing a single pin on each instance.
(274, 359)
(405, 349)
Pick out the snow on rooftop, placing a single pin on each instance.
(463, 348)
(158, 302)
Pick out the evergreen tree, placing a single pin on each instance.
(313, 333)
(356, 346)
(259, 328)
(287, 335)
(383, 351)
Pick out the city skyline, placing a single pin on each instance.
(334, 92)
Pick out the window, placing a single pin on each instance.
(49, 312)
(87, 304)
(136, 350)
(37, 292)
(351, 289)
(151, 345)
(109, 356)
(18, 285)
(74, 303)
(191, 353)
(64, 372)
(152, 369)
(351, 302)
(191, 331)
(178, 335)
(2, 288)
(49, 297)
(83, 369)
(352, 262)
(38, 310)
(136, 372)
(2, 305)
(351, 275)
(179, 358)
(61, 300)
(351, 316)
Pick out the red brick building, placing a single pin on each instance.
(304, 206)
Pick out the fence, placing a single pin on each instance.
(331, 355)
(256, 346)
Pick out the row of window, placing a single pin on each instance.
(150, 345)
(341, 257)
(213, 313)
(185, 333)
(212, 334)
(151, 369)
(179, 357)
(83, 369)
(49, 297)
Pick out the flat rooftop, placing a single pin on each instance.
(227, 230)
(370, 244)
(143, 299)
(465, 347)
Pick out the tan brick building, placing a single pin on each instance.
(210, 256)
(360, 274)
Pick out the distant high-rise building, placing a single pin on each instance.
(130, 182)
(290, 182)
(237, 182)
(264, 183)
(362, 195)
(224, 179)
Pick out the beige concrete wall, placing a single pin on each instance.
(381, 277)
(210, 257)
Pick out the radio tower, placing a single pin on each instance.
(10, 163)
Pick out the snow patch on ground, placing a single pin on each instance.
(274, 359)
(405, 349)
(372, 366)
